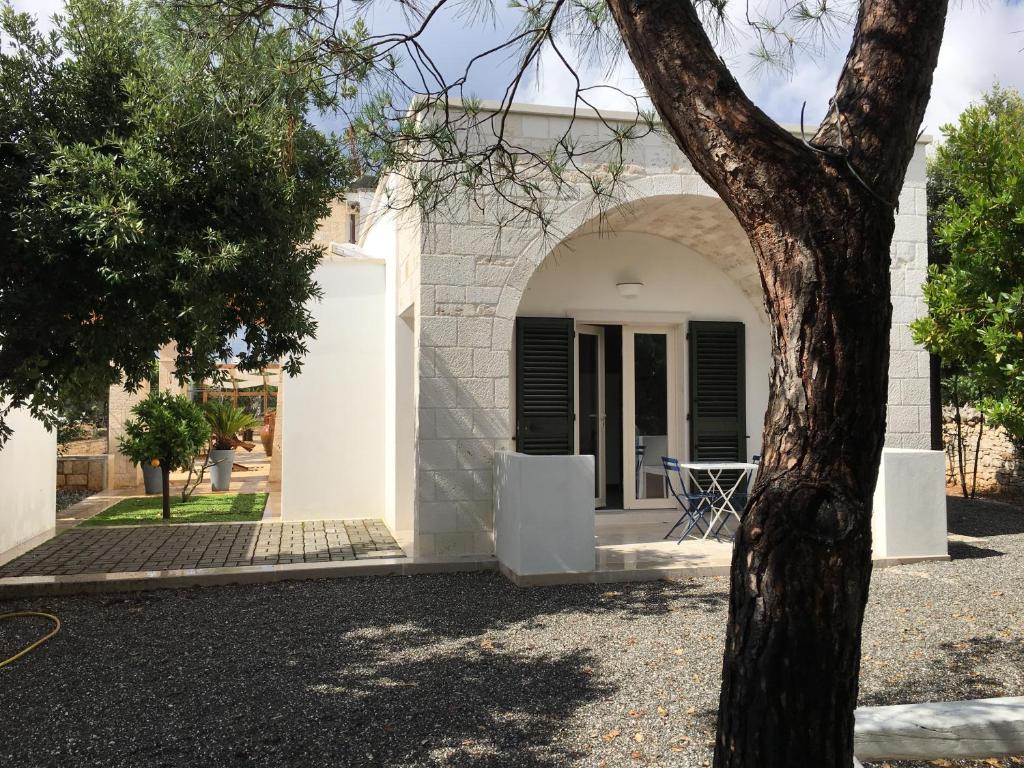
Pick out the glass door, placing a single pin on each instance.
(590, 403)
(650, 391)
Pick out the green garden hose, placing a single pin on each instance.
(32, 646)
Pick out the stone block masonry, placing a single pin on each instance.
(1000, 464)
(84, 473)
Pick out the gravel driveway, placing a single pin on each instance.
(467, 670)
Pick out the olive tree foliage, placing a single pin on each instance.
(423, 123)
(975, 293)
(975, 290)
(154, 188)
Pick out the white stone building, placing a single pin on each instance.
(442, 344)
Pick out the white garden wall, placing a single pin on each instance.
(394, 237)
(909, 511)
(333, 449)
(28, 472)
(544, 513)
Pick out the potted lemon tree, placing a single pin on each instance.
(226, 421)
(167, 431)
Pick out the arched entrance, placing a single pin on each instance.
(654, 311)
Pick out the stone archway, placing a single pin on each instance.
(470, 292)
(697, 220)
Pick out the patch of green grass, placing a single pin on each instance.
(220, 508)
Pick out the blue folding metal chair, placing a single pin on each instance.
(694, 504)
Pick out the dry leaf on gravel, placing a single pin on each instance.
(612, 734)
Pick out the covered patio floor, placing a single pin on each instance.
(633, 541)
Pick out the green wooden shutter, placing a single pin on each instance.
(717, 392)
(544, 385)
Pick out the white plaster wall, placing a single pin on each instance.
(909, 510)
(544, 507)
(390, 235)
(333, 450)
(578, 279)
(380, 240)
(28, 479)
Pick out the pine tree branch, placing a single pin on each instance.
(729, 140)
(883, 89)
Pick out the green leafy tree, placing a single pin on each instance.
(168, 431)
(154, 191)
(975, 294)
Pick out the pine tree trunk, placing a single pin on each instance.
(802, 557)
(820, 224)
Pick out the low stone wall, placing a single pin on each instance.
(87, 473)
(1000, 465)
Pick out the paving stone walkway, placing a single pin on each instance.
(117, 549)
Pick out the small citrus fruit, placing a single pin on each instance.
(154, 462)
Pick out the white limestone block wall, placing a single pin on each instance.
(909, 413)
(471, 276)
(121, 472)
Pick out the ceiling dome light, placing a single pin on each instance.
(629, 290)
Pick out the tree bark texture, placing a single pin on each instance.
(165, 477)
(802, 557)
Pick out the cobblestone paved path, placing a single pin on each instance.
(175, 547)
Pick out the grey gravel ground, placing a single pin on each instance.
(67, 497)
(466, 670)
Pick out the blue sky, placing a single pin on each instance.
(984, 42)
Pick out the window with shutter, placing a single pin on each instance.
(544, 385)
(717, 392)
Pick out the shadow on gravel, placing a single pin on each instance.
(962, 672)
(960, 550)
(357, 672)
(983, 517)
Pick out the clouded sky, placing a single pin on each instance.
(984, 42)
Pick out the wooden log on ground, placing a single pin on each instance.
(977, 728)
